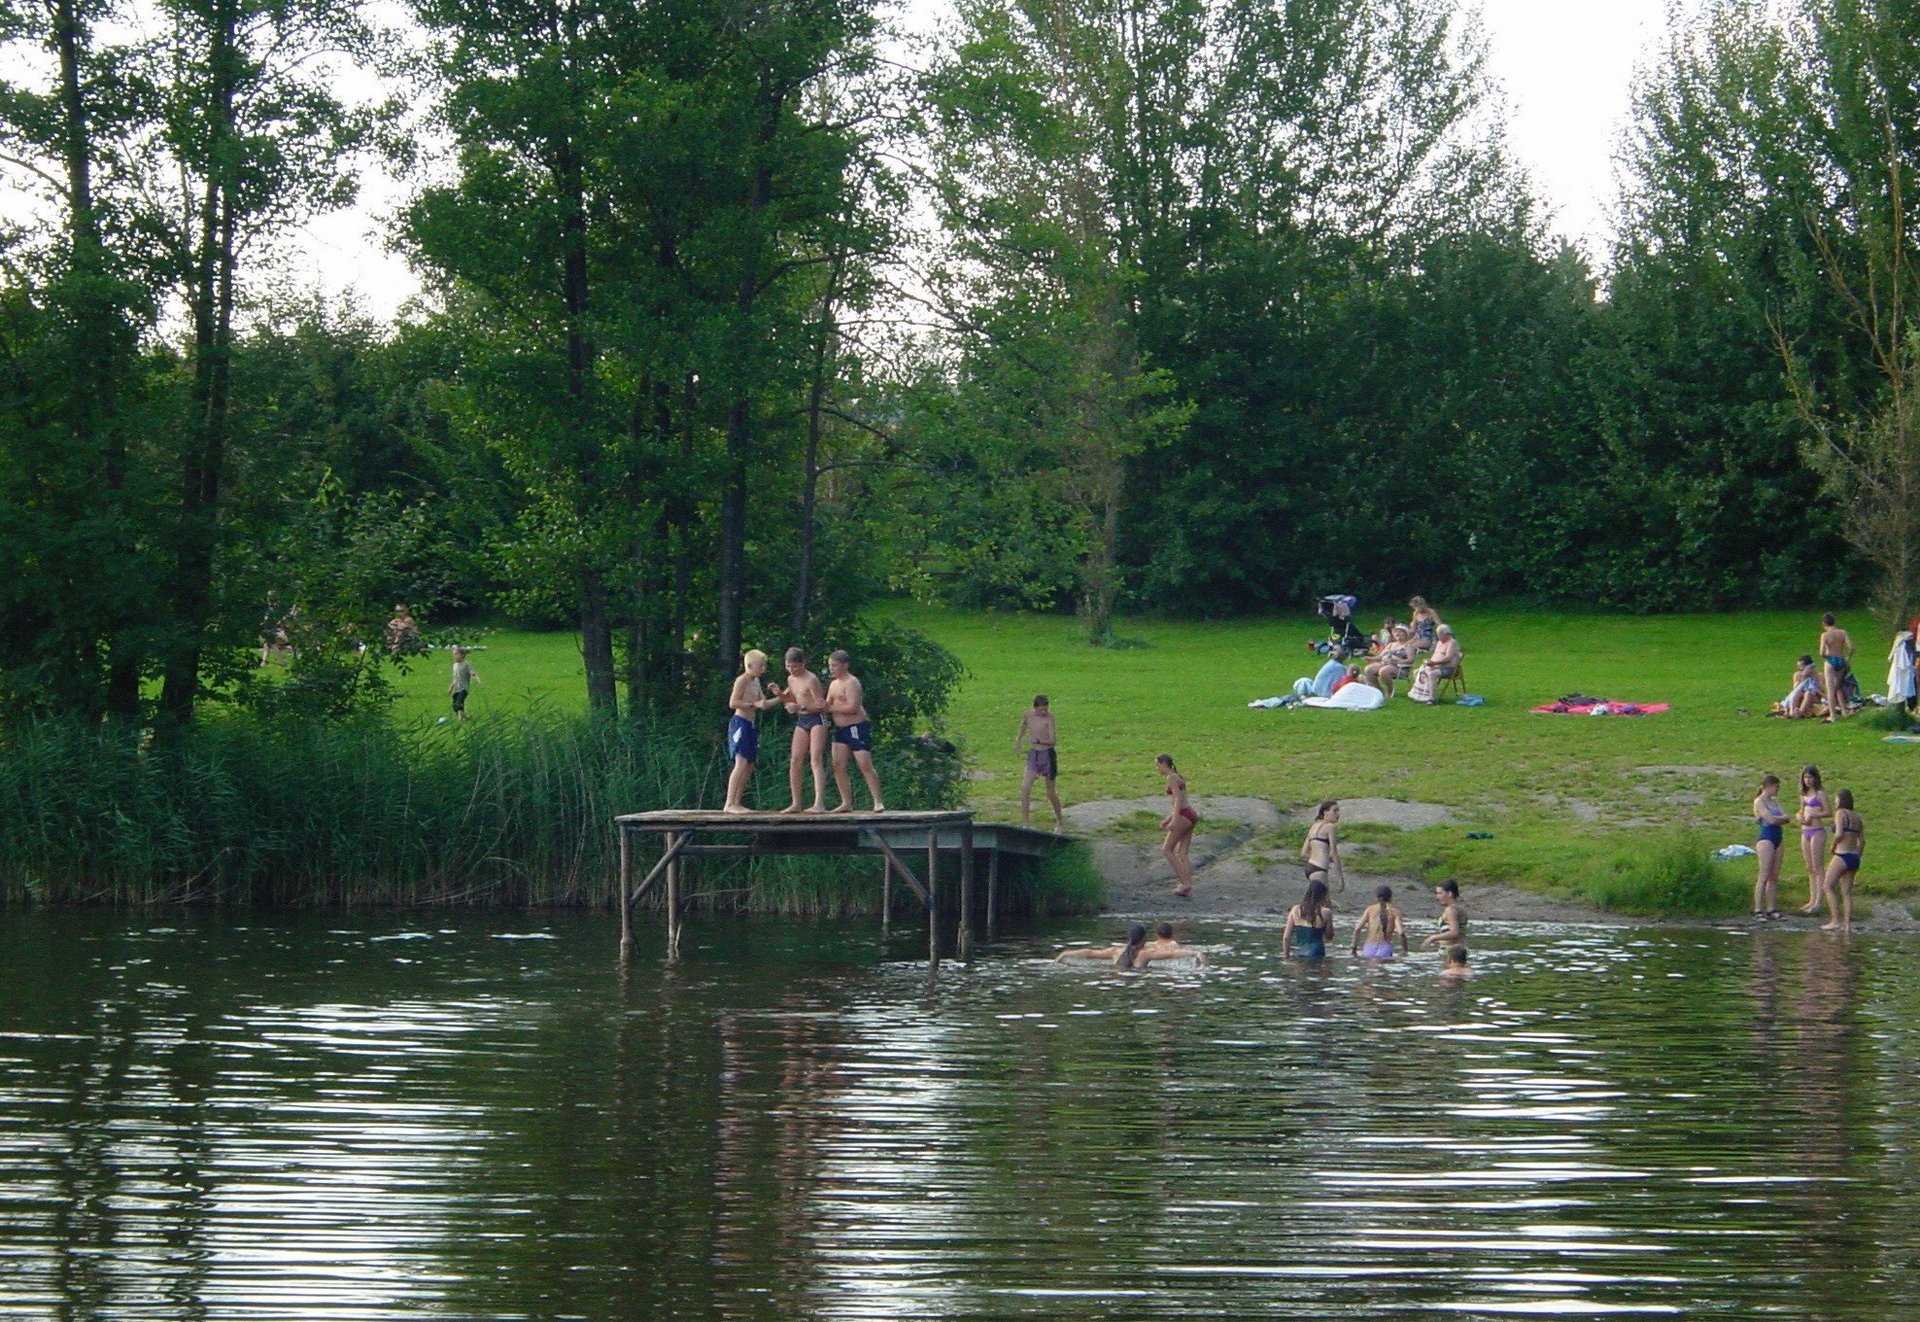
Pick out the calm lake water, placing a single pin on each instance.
(405, 1116)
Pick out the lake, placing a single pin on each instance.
(381, 1115)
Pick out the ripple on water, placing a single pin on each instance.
(283, 1120)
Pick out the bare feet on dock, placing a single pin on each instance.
(791, 807)
(879, 807)
(737, 809)
(845, 807)
(818, 807)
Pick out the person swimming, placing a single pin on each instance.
(1136, 952)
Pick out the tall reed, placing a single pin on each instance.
(245, 811)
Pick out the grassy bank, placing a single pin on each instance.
(1573, 804)
(508, 810)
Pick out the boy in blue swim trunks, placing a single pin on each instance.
(746, 703)
(852, 731)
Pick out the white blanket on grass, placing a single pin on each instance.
(1354, 697)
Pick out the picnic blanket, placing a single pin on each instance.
(1602, 707)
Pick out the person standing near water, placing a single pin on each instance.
(1309, 925)
(1813, 835)
(746, 702)
(1382, 925)
(1849, 841)
(852, 731)
(1037, 738)
(1769, 817)
(1178, 824)
(805, 699)
(1320, 851)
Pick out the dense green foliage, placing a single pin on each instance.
(513, 810)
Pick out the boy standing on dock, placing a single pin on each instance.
(746, 703)
(807, 702)
(852, 731)
(1037, 738)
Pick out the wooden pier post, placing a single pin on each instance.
(626, 895)
(886, 895)
(965, 936)
(673, 910)
(933, 901)
(993, 890)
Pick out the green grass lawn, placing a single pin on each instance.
(1562, 796)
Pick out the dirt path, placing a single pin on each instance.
(1239, 871)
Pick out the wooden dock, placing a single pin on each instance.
(893, 836)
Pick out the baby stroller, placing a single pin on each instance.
(1337, 610)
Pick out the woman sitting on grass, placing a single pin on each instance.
(1803, 699)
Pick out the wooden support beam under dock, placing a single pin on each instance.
(893, 836)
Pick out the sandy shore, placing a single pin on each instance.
(1235, 876)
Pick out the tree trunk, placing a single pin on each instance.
(205, 450)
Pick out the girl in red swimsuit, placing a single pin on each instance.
(1179, 826)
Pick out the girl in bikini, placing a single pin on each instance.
(1320, 851)
(1178, 825)
(1769, 817)
(1309, 925)
(1813, 836)
(1849, 840)
(1383, 925)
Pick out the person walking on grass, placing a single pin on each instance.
(1178, 824)
(1835, 649)
(1849, 842)
(462, 683)
(852, 731)
(1381, 925)
(1769, 817)
(1813, 836)
(1036, 737)
(808, 703)
(745, 704)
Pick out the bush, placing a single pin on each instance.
(1674, 877)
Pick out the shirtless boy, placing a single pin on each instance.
(808, 703)
(1037, 737)
(852, 731)
(1453, 917)
(1835, 649)
(746, 703)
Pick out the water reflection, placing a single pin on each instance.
(394, 1119)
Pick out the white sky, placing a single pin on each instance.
(1566, 66)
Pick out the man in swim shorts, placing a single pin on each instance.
(1043, 762)
(1835, 648)
(852, 731)
(746, 702)
(807, 701)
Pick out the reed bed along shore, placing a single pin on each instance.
(510, 811)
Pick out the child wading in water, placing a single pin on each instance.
(746, 702)
(1178, 825)
(1382, 925)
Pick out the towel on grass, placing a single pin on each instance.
(1602, 707)
(1352, 697)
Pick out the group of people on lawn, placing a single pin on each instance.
(1395, 653)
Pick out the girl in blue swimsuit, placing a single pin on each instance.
(1769, 817)
(1849, 840)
